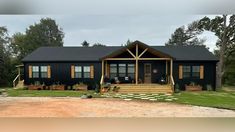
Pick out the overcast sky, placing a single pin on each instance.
(110, 29)
(113, 22)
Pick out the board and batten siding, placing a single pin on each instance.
(60, 72)
(207, 73)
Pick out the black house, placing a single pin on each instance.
(136, 64)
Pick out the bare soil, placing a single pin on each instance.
(103, 107)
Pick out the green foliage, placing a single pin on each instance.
(229, 75)
(97, 88)
(12, 50)
(128, 42)
(6, 61)
(85, 43)
(225, 43)
(98, 45)
(44, 33)
(184, 36)
(177, 88)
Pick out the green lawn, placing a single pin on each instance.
(208, 98)
(48, 93)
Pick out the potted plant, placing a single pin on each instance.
(193, 87)
(57, 86)
(177, 88)
(105, 88)
(115, 89)
(36, 86)
(80, 86)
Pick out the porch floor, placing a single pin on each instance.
(143, 88)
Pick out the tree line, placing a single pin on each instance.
(224, 28)
(14, 48)
(48, 33)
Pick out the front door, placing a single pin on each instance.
(147, 73)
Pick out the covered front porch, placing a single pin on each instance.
(139, 68)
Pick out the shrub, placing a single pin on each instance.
(209, 87)
(97, 88)
(177, 88)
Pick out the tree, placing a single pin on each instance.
(128, 42)
(186, 36)
(5, 60)
(224, 30)
(18, 45)
(85, 43)
(98, 45)
(44, 33)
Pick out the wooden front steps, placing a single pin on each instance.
(20, 84)
(143, 88)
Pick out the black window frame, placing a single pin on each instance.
(131, 74)
(77, 72)
(111, 73)
(35, 72)
(43, 73)
(197, 73)
(86, 74)
(122, 65)
(188, 75)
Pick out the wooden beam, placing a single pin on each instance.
(131, 53)
(137, 49)
(102, 67)
(154, 58)
(136, 71)
(136, 64)
(171, 67)
(20, 65)
(119, 59)
(143, 52)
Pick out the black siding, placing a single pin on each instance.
(60, 73)
(209, 74)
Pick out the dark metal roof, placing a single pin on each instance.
(187, 53)
(181, 53)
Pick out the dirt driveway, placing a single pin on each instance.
(76, 107)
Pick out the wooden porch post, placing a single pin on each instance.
(171, 67)
(102, 68)
(136, 65)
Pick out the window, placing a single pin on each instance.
(196, 71)
(78, 72)
(131, 70)
(113, 70)
(122, 70)
(86, 71)
(186, 71)
(35, 71)
(44, 71)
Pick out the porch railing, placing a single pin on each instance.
(16, 80)
(101, 80)
(172, 83)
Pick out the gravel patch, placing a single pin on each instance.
(102, 107)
